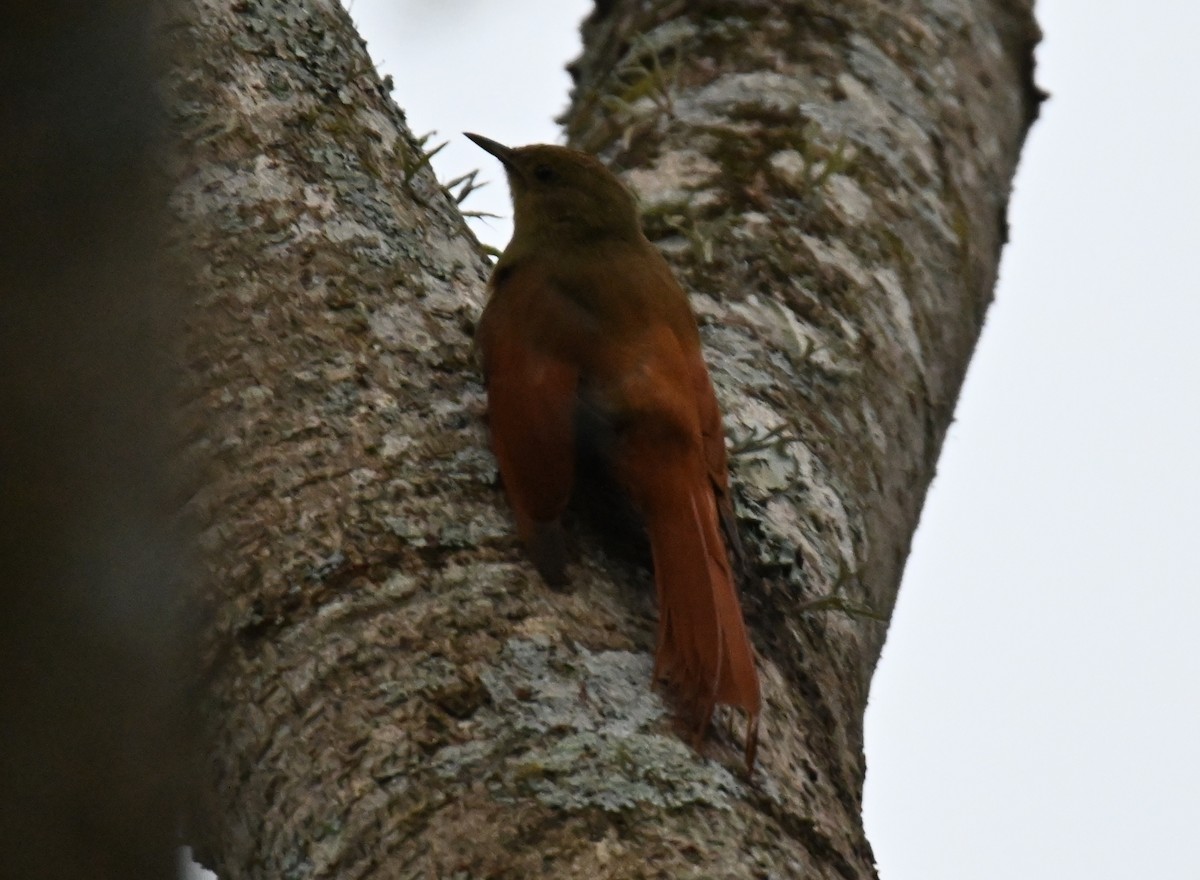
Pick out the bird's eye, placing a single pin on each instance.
(544, 173)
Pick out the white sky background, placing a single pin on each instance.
(1037, 710)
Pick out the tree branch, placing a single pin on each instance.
(395, 692)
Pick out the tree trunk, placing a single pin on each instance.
(394, 692)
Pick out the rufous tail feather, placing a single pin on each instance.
(703, 653)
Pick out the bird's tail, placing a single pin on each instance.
(704, 653)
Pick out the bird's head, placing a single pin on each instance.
(562, 194)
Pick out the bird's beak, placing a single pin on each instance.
(501, 152)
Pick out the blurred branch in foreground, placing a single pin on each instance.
(90, 721)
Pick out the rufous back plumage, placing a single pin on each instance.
(584, 315)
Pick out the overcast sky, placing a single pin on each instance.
(1037, 710)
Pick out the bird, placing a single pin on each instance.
(588, 341)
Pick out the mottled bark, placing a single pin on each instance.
(394, 693)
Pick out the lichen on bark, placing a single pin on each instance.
(393, 692)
